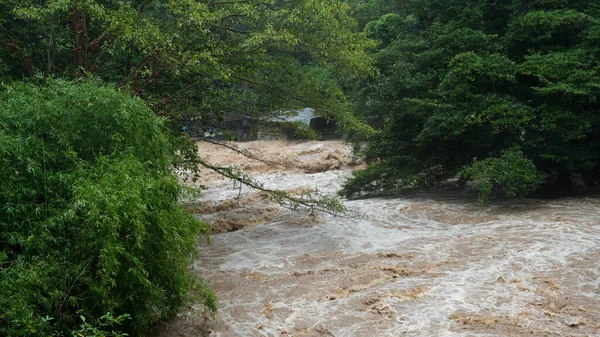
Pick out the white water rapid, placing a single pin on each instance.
(418, 266)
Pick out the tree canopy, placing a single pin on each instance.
(189, 59)
(501, 93)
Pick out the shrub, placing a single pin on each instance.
(511, 173)
(89, 217)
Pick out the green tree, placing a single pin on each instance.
(190, 59)
(90, 222)
(482, 88)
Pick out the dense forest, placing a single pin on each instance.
(503, 94)
(500, 95)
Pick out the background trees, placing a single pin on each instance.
(189, 59)
(502, 93)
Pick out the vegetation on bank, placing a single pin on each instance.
(90, 222)
(503, 94)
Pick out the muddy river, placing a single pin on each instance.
(417, 266)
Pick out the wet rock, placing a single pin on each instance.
(574, 322)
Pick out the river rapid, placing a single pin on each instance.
(416, 266)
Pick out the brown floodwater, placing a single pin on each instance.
(414, 266)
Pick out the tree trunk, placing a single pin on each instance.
(26, 59)
(564, 181)
(78, 19)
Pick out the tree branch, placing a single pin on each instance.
(274, 88)
(233, 30)
(314, 201)
(26, 59)
(246, 153)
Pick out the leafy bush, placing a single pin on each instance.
(103, 328)
(511, 172)
(89, 216)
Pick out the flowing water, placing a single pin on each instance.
(417, 266)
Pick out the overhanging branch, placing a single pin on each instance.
(314, 201)
(246, 153)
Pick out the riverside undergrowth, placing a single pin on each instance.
(90, 223)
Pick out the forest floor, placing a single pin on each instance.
(424, 265)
